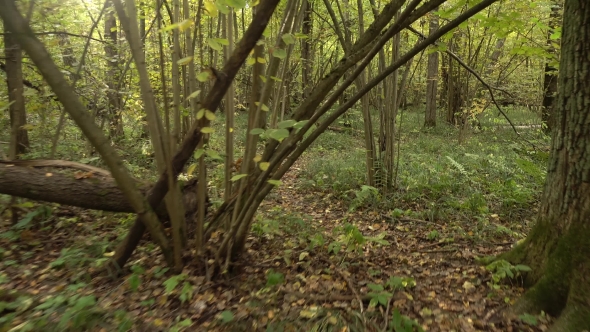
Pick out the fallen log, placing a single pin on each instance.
(87, 191)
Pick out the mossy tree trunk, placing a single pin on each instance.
(558, 248)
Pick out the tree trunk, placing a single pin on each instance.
(19, 141)
(558, 247)
(113, 72)
(550, 77)
(432, 76)
(81, 190)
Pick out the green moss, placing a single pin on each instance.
(549, 295)
(573, 318)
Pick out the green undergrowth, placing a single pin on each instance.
(491, 173)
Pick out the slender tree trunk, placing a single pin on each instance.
(19, 138)
(432, 76)
(558, 247)
(113, 72)
(550, 77)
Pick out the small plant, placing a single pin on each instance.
(186, 293)
(502, 269)
(367, 196)
(402, 323)
(70, 257)
(316, 241)
(226, 316)
(378, 295)
(395, 283)
(433, 235)
(135, 278)
(274, 278)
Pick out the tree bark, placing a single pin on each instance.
(81, 190)
(19, 141)
(113, 72)
(550, 77)
(558, 247)
(432, 76)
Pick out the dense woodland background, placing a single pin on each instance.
(341, 165)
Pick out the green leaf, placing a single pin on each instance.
(256, 131)
(207, 130)
(236, 4)
(164, 29)
(279, 53)
(528, 319)
(274, 278)
(222, 7)
(186, 293)
(300, 124)
(226, 316)
(263, 166)
(201, 113)
(213, 154)
(250, 61)
(222, 41)
(279, 134)
(523, 268)
(199, 153)
(134, 282)
(275, 182)
(286, 124)
(171, 283)
(288, 39)
(237, 177)
(214, 44)
(209, 115)
(184, 61)
(194, 94)
(375, 287)
(203, 76)
(85, 302)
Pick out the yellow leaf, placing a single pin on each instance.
(207, 130)
(309, 313)
(260, 60)
(209, 115)
(257, 158)
(109, 254)
(231, 130)
(184, 61)
(211, 8)
(185, 25)
(191, 169)
(158, 322)
(264, 166)
(200, 113)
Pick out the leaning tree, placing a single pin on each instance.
(558, 247)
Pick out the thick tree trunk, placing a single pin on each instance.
(81, 190)
(558, 248)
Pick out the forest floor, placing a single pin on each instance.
(325, 252)
(283, 282)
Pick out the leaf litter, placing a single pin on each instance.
(311, 264)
